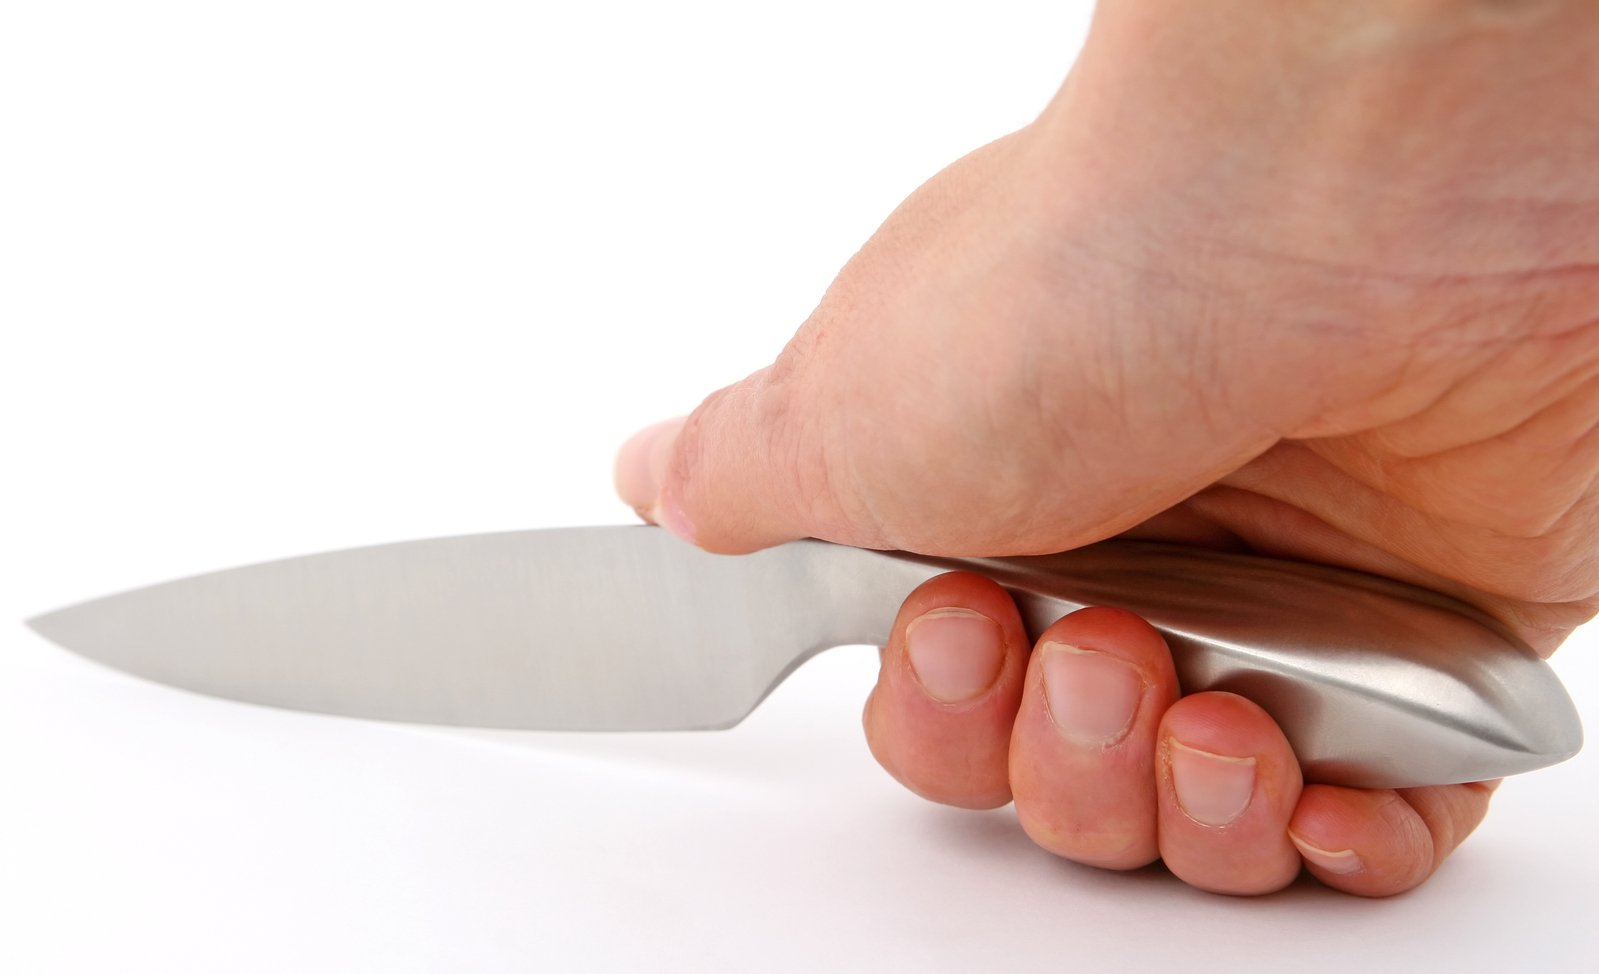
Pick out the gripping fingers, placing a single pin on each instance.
(1108, 767)
(939, 719)
(1378, 843)
(1228, 785)
(1083, 752)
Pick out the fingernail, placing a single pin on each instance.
(1213, 789)
(955, 653)
(1092, 696)
(1343, 862)
(668, 513)
(641, 465)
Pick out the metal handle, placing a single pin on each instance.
(1376, 683)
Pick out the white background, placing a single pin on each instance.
(294, 276)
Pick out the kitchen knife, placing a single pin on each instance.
(1375, 683)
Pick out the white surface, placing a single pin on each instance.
(287, 277)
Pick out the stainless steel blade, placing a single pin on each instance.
(1376, 684)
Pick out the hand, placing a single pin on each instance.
(1322, 284)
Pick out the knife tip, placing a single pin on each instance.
(46, 624)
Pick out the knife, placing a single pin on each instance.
(1376, 683)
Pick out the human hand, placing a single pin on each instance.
(1322, 285)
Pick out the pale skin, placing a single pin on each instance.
(1315, 279)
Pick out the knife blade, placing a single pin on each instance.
(1374, 682)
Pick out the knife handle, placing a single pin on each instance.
(1375, 683)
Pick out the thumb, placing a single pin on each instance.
(733, 476)
(960, 390)
(830, 440)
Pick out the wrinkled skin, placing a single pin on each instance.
(1321, 283)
